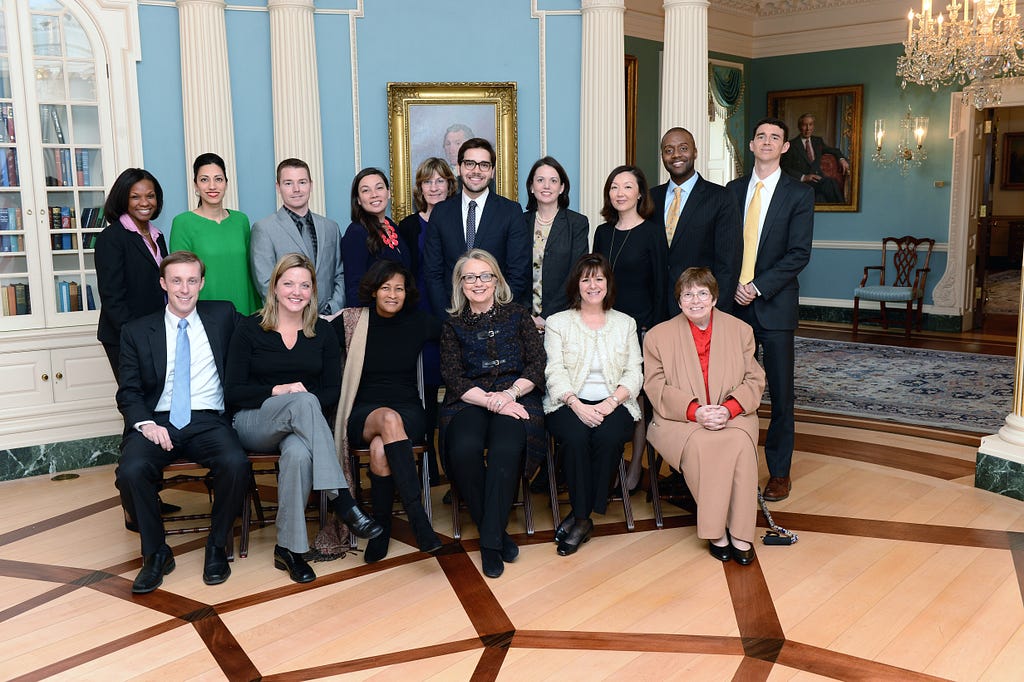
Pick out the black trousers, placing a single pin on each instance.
(779, 357)
(589, 455)
(113, 351)
(207, 440)
(487, 485)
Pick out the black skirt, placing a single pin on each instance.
(412, 414)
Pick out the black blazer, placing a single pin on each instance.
(709, 233)
(568, 239)
(783, 251)
(795, 161)
(501, 230)
(128, 280)
(144, 357)
(409, 231)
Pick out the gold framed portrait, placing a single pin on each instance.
(832, 165)
(433, 119)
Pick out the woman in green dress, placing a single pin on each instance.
(218, 236)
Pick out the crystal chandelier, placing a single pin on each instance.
(969, 46)
(910, 149)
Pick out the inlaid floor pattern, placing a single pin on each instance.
(903, 571)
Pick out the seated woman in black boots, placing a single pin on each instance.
(492, 362)
(283, 370)
(380, 403)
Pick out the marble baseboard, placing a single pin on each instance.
(870, 318)
(52, 458)
(999, 475)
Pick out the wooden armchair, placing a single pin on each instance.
(906, 252)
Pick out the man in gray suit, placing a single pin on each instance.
(296, 229)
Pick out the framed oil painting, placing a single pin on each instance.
(824, 142)
(434, 119)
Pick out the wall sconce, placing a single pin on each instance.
(910, 145)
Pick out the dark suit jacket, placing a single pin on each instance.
(783, 250)
(128, 279)
(709, 233)
(144, 357)
(501, 230)
(568, 239)
(795, 161)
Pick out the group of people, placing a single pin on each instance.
(531, 332)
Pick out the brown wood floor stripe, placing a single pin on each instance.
(479, 603)
(225, 649)
(896, 530)
(489, 665)
(59, 520)
(756, 617)
(902, 429)
(937, 466)
(378, 661)
(1017, 552)
(113, 646)
(842, 666)
(38, 600)
(46, 573)
(656, 642)
(752, 670)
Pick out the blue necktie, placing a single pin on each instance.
(471, 225)
(181, 393)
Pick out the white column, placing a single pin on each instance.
(602, 101)
(684, 77)
(296, 96)
(206, 87)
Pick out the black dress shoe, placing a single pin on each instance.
(168, 508)
(562, 532)
(215, 566)
(360, 524)
(722, 553)
(579, 534)
(744, 557)
(297, 568)
(509, 549)
(154, 568)
(492, 563)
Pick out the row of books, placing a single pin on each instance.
(69, 297)
(65, 172)
(63, 218)
(10, 243)
(49, 120)
(9, 168)
(10, 219)
(16, 299)
(7, 123)
(68, 241)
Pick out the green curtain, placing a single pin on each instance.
(725, 98)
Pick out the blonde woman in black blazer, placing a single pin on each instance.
(560, 237)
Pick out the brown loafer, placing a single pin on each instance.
(778, 488)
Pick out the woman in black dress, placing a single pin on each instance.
(638, 251)
(635, 246)
(492, 362)
(387, 407)
(128, 255)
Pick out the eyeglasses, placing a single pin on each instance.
(482, 165)
(702, 295)
(484, 277)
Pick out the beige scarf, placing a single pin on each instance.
(334, 539)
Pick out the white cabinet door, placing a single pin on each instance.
(81, 373)
(26, 379)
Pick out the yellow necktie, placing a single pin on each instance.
(750, 236)
(673, 215)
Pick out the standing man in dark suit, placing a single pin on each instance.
(296, 229)
(702, 225)
(172, 398)
(778, 223)
(803, 161)
(476, 218)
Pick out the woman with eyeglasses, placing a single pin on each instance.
(371, 236)
(593, 376)
(560, 236)
(705, 385)
(492, 362)
(434, 183)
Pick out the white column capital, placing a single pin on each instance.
(596, 5)
(217, 4)
(294, 4)
(673, 4)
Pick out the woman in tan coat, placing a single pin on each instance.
(705, 385)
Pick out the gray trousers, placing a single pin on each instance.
(294, 424)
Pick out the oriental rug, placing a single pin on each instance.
(961, 391)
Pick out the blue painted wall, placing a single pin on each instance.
(890, 204)
(400, 40)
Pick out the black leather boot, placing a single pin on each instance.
(403, 470)
(382, 496)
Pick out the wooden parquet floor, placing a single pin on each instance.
(903, 571)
